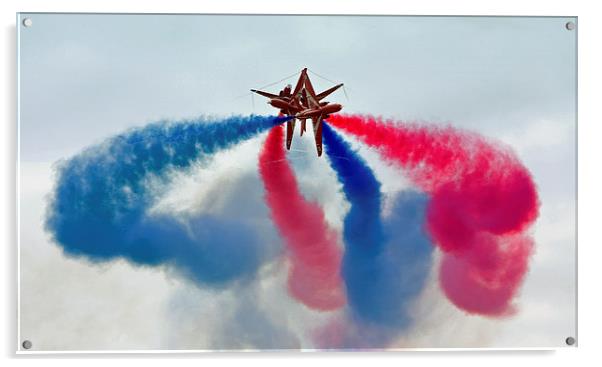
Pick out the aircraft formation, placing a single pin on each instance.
(302, 103)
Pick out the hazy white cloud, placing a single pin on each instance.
(68, 304)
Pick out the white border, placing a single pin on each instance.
(589, 149)
(18, 180)
(21, 350)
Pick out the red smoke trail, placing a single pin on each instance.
(314, 253)
(482, 199)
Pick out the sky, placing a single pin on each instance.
(84, 78)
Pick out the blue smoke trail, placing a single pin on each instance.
(407, 260)
(385, 263)
(99, 207)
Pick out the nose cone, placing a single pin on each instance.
(332, 108)
(278, 103)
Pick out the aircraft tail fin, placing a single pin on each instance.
(318, 134)
(290, 129)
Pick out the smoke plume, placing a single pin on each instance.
(99, 209)
(312, 247)
(482, 202)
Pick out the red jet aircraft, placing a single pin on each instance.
(303, 103)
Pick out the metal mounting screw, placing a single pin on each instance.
(27, 22)
(570, 26)
(570, 340)
(27, 344)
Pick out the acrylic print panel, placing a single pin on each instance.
(429, 202)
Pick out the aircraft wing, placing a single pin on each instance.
(300, 82)
(290, 129)
(327, 92)
(265, 94)
(317, 122)
(312, 102)
(310, 88)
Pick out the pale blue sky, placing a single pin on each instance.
(85, 77)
